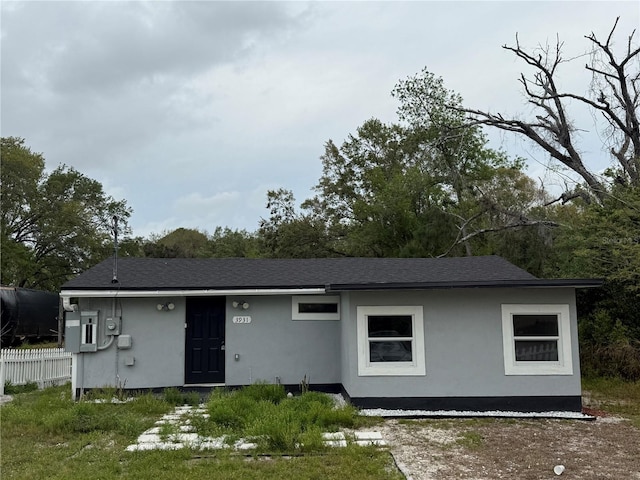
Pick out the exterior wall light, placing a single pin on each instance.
(240, 304)
(167, 306)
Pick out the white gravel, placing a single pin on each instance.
(381, 412)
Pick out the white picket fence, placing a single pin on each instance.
(44, 366)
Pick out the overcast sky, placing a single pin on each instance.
(191, 111)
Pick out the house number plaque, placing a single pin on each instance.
(241, 319)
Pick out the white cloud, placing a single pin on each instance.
(191, 111)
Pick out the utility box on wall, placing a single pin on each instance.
(81, 331)
(72, 332)
(89, 331)
(112, 326)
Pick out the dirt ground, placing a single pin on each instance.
(607, 448)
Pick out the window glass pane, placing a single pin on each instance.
(399, 351)
(535, 325)
(536, 350)
(390, 326)
(317, 308)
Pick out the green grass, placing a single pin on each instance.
(45, 435)
(277, 423)
(615, 396)
(11, 389)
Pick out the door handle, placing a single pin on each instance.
(222, 347)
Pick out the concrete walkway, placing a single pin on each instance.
(175, 431)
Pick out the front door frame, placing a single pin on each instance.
(205, 336)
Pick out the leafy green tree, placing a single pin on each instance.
(288, 233)
(375, 193)
(180, 243)
(227, 243)
(54, 225)
(429, 187)
(192, 243)
(602, 240)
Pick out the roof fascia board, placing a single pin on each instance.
(533, 283)
(189, 293)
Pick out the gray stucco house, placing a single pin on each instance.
(472, 333)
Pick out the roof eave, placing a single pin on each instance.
(209, 292)
(530, 283)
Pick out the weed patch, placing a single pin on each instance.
(614, 395)
(277, 423)
(11, 389)
(173, 396)
(44, 434)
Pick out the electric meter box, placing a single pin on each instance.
(112, 326)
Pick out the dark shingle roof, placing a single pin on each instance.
(330, 273)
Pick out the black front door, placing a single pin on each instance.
(204, 362)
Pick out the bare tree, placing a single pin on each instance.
(615, 96)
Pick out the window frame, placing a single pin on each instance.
(296, 300)
(562, 366)
(416, 367)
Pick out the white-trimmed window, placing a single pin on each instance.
(390, 340)
(536, 339)
(315, 307)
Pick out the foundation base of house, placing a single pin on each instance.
(572, 403)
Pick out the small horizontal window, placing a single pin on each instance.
(315, 307)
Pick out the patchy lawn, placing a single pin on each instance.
(44, 434)
(607, 448)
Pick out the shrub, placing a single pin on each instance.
(621, 359)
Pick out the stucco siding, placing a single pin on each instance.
(271, 348)
(157, 346)
(273, 345)
(463, 346)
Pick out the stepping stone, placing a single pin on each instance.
(245, 446)
(368, 435)
(185, 437)
(369, 438)
(149, 438)
(213, 444)
(333, 436)
(335, 443)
